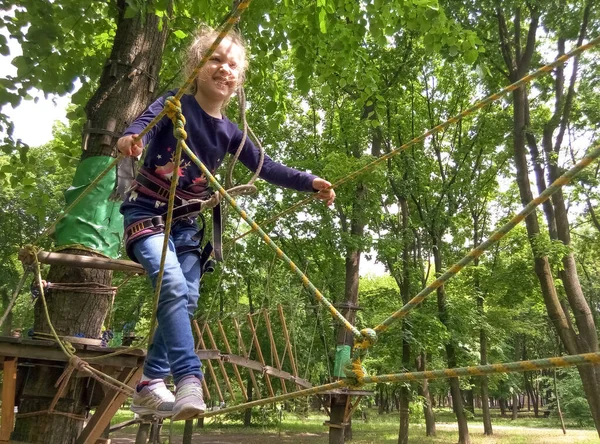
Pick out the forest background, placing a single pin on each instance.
(331, 86)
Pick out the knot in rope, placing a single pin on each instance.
(173, 108)
(355, 373)
(369, 338)
(28, 254)
(173, 111)
(78, 364)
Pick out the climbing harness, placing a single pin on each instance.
(187, 205)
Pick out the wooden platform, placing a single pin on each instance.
(15, 352)
(77, 260)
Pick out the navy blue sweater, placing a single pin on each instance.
(210, 139)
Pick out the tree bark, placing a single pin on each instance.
(586, 340)
(457, 402)
(404, 406)
(424, 392)
(118, 100)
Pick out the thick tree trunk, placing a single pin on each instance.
(344, 337)
(138, 44)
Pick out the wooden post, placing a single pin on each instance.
(235, 367)
(8, 398)
(274, 348)
(259, 354)
(210, 368)
(220, 363)
(242, 348)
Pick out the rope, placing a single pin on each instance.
(305, 281)
(82, 287)
(173, 110)
(68, 348)
(246, 129)
(493, 239)
(472, 109)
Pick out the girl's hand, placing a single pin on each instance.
(128, 146)
(324, 190)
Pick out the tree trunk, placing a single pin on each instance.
(248, 412)
(485, 401)
(457, 402)
(424, 392)
(138, 44)
(344, 337)
(404, 406)
(518, 63)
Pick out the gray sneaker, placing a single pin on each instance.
(189, 401)
(153, 398)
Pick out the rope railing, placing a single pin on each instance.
(479, 370)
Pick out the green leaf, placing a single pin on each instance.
(303, 84)
(471, 56)
(323, 21)
(271, 107)
(180, 34)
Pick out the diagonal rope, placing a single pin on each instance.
(493, 239)
(14, 297)
(309, 286)
(472, 109)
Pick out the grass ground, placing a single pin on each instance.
(377, 429)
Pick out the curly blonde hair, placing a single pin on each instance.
(203, 39)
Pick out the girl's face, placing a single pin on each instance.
(219, 78)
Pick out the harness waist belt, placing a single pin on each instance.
(159, 189)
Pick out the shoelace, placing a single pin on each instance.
(192, 389)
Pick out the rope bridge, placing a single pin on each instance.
(365, 338)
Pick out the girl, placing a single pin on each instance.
(210, 136)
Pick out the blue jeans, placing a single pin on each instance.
(172, 350)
